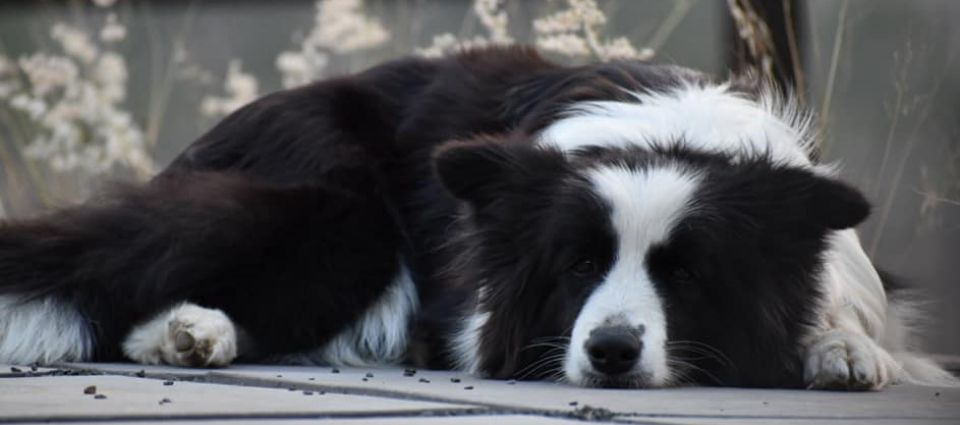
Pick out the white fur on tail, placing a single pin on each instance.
(43, 330)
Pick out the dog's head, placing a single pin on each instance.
(630, 267)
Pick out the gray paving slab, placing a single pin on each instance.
(776, 421)
(64, 398)
(410, 420)
(899, 402)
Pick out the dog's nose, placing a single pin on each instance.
(613, 349)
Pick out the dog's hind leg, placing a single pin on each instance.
(185, 335)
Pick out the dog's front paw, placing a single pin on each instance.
(186, 335)
(843, 360)
(200, 337)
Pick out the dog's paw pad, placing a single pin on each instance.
(200, 337)
(840, 360)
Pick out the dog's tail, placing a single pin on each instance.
(74, 282)
(40, 267)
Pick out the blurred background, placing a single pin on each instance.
(93, 91)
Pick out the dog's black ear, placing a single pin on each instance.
(482, 171)
(836, 205)
(794, 197)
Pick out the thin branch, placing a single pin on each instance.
(799, 81)
(832, 75)
(681, 8)
(902, 164)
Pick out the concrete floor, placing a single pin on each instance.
(127, 393)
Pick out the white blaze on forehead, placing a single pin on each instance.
(646, 205)
(705, 118)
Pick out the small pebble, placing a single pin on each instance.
(468, 387)
(425, 380)
(937, 394)
(308, 393)
(165, 401)
(334, 370)
(369, 375)
(291, 389)
(90, 390)
(167, 383)
(321, 392)
(99, 396)
(409, 372)
(33, 368)
(141, 373)
(279, 376)
(512, 382)
(455, 380)
(573, 403)
(15, 370)
(310, 379)
(364, 379)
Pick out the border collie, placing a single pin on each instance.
(619, 225)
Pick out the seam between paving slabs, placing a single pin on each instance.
(585, 413)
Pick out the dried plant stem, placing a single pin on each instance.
(902, 164)
(832, 75)
(162, 80)
(888, 143)
(37, 178)
(799, 81)
(681, 8)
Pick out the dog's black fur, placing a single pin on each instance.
(294, 213)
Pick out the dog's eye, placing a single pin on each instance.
(583, 268)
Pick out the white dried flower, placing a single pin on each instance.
(47, 73)
(242, 88)
(111, 75)
(34, 107)
(113, 31)
(575, 31)
(339, 27)
(494, 19)
(74, 42)
(73, 103)
(569, 44)
(495, 22)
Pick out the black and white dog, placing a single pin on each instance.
(621, 224)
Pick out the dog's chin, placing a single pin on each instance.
(628, 380)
